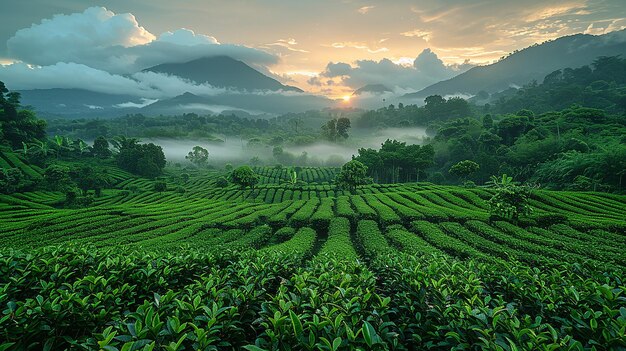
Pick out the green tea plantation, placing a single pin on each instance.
(305, 266)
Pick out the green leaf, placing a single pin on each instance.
(253, 348)
(336, 343)
(297, 325)
(368, 333)
(6, 346)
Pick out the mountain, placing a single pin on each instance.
(372, 88)
(223, 72)
(78, 103)
(532, 63)
(253, 104)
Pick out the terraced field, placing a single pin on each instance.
(412, 266)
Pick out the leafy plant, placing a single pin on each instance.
(510, 200)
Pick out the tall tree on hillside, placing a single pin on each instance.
(343, 124)
(199, 156)
(100, 148)
(17, 125)
(336, 128)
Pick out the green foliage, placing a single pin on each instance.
(87, 178)
(336, 128)
(352, 174)
(599, 86)
(464, 168)
(510, 200)
(12, 180)
(396, 161)
(17, 125)
(56, 177)
(436, 109)
(100, 148)
(244, 177)
(159, 186)
(143, 159)
(199, 156)
(222, 182)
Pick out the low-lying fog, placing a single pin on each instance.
(237, 151)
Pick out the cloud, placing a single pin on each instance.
(426, 69)
(337, 69)
(357, 45)
(21, 76)
(144, 102)
(77, 37)
(187, 37)
(288, 44)
(614, 25)
(117, 43)
(426, 35)
(148, 85)
(365, 9)
(555, 11)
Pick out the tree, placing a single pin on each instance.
(87, 178)
(352, 174)
(199, 156)
(464, 169)
(510, 200)
(487, 122)
(329, 130)
(18, 125)
(342, 126)
(57, 177)
(144, 159)
(295, 123)
(245, 177)
(11, 180)
(372, 160)
(100, 148)
(336, 128)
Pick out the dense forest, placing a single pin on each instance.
(569, 133)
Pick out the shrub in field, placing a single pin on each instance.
(352, 174)
(245, 177)
(510, 200)
(12, 180)
(464, 169)
(547, 220)
(56, 177)
(159, 186)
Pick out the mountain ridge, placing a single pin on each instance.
(531, 63)
(222, 72)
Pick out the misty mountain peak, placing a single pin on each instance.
(222, 72)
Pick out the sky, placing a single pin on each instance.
(324, 47)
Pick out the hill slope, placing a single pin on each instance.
(532, 63)
(223, 72)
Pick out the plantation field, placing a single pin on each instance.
(306, 267)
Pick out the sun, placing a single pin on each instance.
(346, 98)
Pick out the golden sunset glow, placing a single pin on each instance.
(331, 48)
